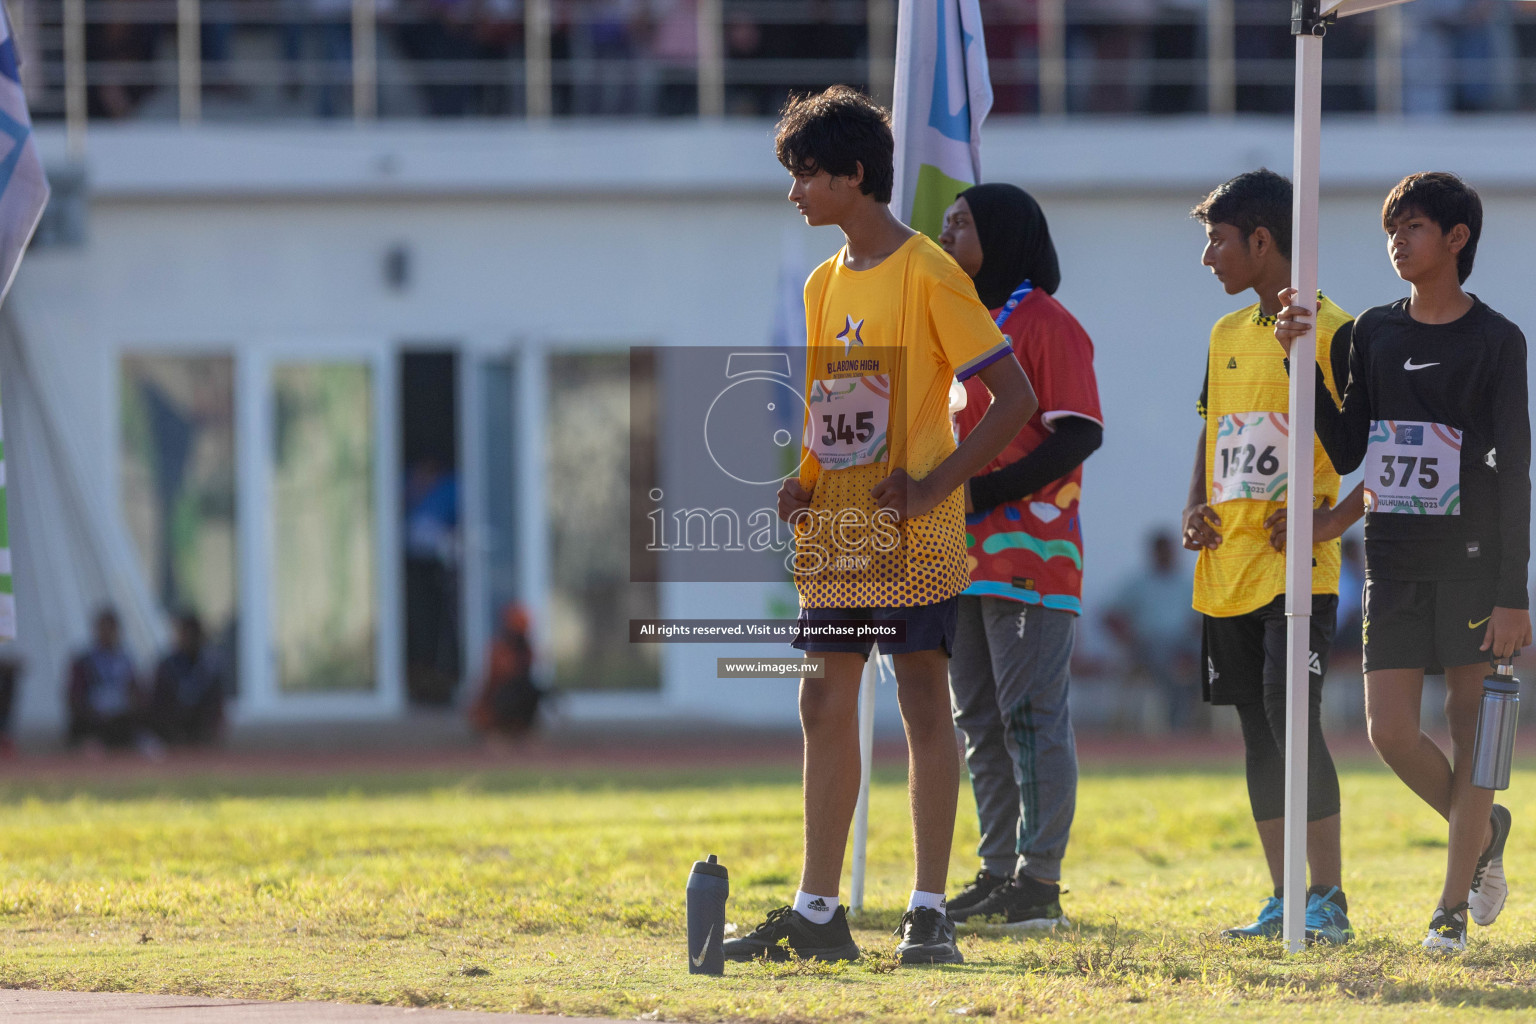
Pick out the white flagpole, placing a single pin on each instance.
(903, 98)
(942, 94)
(866, 755)
(1299, 445)
(1307, 25)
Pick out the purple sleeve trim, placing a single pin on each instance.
(1003, 349)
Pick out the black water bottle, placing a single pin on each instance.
(1494, 750)
(708, 886)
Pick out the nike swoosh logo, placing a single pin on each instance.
(1479, 622)
(698, 961)
(1409, 364)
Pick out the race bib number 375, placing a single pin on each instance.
(848, 421)
(1414, 468)
(1250, 457)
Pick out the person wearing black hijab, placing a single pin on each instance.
(1015, 242)
(1017, 621)
(1000, 231)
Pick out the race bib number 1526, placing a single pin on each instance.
(1250, 457)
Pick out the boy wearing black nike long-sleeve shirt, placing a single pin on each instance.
(1436, 409)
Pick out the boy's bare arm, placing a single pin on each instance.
(1200, 520)
(1328, 523)
(1013, 403)
(1344, 515)
(793, 497)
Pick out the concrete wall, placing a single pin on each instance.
(603, 236)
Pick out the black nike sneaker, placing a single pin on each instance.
(831, 941)
(1019, 905)
(927, 937)
(986, 882)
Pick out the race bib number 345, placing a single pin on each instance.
(848, 421)
(1250, 457)
(1414, 468)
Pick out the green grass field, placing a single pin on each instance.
(512, 891)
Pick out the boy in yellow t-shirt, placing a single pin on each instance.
(891, 322)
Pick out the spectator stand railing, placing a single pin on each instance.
(196, 60)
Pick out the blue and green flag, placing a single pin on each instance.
(943, 93)
(23, 194)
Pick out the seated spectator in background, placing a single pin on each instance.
(187, 705)
(1152, 618)
(673, 86)
(1266, 52)
(508, 702)
(118, 39)
(106, 702)
(603, 52)
(499, 37)
(1013, 41)
(1178, 55)
(1104, 39)
(744, 42)
(432, 560)
(441, 34)
(1458, 55)
(330, 22)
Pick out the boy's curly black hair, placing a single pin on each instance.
(836, 131)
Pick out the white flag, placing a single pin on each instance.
(23, 186)
(23, 194)
(943, 93)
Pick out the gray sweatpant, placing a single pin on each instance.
(1008, 681)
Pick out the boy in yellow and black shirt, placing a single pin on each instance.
(1235, 518)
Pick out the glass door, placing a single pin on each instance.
(328, 589)
(324, 528)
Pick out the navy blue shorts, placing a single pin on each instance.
(930, 627)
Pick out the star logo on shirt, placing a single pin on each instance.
(849, 335)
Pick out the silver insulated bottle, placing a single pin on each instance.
(1495, 747)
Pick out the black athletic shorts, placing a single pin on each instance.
(930, 627)
(1426, 624)
(1244, 655)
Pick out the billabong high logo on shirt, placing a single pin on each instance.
(851, 334)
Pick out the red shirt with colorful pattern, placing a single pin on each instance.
(1031, 550)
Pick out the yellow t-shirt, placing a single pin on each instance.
(1245, 404)
(883, 347)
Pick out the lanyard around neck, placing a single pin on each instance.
(1013, 302)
